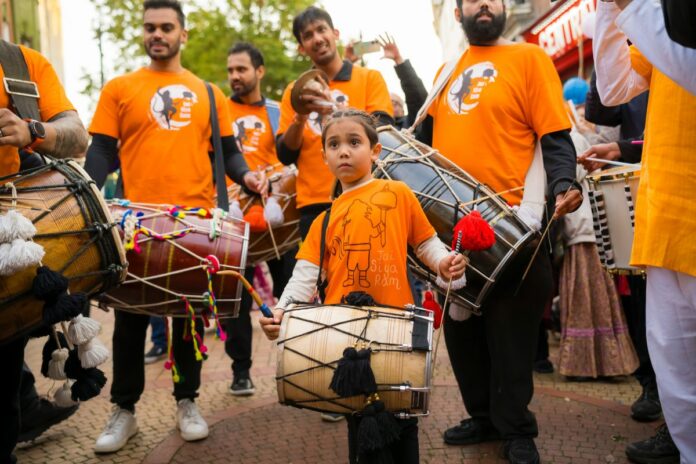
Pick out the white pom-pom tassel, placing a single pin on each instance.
(236, 210)
(56, 366)
(19, 255)
(14, 225)
(273, 213)
(456, 284)
(93, 353)
(63, 397)
(83, 329)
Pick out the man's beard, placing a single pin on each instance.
(246, 89)
(172, 49)
(483, 33)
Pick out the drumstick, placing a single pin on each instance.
(442, 316)
(493, 195)
(615, 163)
(265, 310)
(270, 229)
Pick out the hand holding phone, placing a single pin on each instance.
(363, 48)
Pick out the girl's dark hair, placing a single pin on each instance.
(366, 120)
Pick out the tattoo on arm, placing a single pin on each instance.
(71, 136)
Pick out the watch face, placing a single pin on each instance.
(37, 129)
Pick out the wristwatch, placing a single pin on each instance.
(37, 131)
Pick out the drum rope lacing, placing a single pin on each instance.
(359, 338)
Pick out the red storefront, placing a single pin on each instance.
(558, 32)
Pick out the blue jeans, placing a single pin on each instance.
(159, 335)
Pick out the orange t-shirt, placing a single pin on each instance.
(254, 134)
(499, 100)
(367, 240)
(364, 89)
(163, 122)
(52, 101)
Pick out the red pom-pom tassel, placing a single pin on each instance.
(430, 304)
(476, 233)
(256, 219)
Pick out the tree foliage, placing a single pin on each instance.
(214, 25)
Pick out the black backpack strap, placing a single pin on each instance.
(219, 166)
(322, 283)
(23, 93)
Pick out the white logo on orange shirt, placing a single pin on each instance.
(171, 106)
(464, 93)
(248, 131)
(341, 101)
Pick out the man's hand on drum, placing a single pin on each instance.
(256, 181)
(602, 151)
(452, 266)
(13, 130)
(271, 326)
(316, 100)
(567, 202)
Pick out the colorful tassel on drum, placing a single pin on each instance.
(353, 375)
(212, 268)
(377, 430)
(256, 219)
(198, 346)
(170, 363)
(476, 233)
(431, 304)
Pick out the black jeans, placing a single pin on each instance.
(129, 365)
(634, 308)
(403, 451)
(492, 355)
(12, 355)
(239, 331)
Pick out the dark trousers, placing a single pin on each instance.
(403, 451)
(129, 366)
(12, 355)
(634, 308)
(28, 396)
(239, 331)
(492, 355)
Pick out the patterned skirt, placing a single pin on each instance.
(594, 336)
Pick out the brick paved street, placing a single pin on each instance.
(584, 422)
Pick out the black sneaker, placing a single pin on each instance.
(543, 366)
(155, 354)
(242, 385)
(471, 431)
(658, 449)
(40, 417)
(521, 451)
(647, 407)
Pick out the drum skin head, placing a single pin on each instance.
(301, 82)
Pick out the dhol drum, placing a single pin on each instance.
(76, 231)
(612, 195)
(275, 241)
(312, 340)
(170, 252)
(447, 193)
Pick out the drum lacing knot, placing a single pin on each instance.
(216, 223)
(212, 264)
(99, 229)
(129, 223)
(211, 269)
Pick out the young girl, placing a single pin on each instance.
(367, 235)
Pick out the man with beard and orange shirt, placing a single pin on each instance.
(255, 119)
(160, 114)
(501, 99)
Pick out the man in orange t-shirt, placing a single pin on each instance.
(501, 100)
(299, 136)
(160, 114)
(255, 121)
(59, 133)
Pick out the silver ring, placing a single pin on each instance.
(2, 134)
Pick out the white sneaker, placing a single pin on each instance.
(120, 427)
(189, 421)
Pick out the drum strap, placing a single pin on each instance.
(273, 111)
(322, 283)
(22, 91)
(219, 166)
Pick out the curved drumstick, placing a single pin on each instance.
(265, 310)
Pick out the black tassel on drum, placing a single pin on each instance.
(358, 298)
(52, 287)
(376, 431)
(353, 375)
(88, 382)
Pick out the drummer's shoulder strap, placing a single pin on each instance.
(442, 78)
(273, 111)
(22, 91)
(218, 162)
(322, 283)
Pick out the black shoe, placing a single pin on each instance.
(543, 366)
(242, 385)
(521, 451)
(658, 449)
(471, 431)
(647, 407)
(155, 354)
(40, 417)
